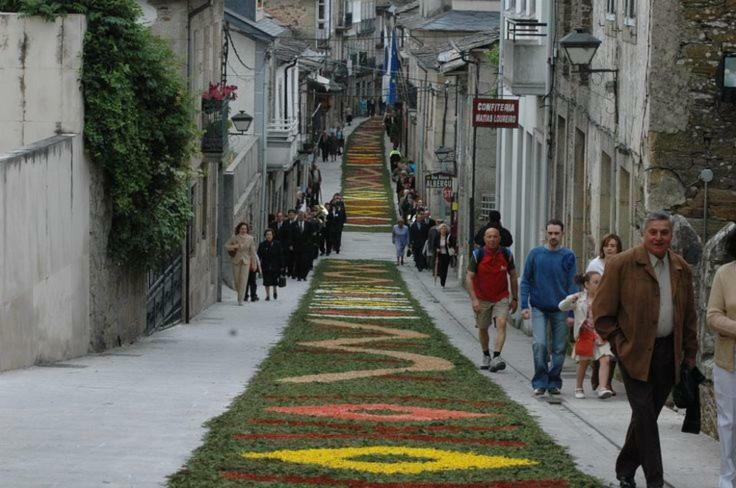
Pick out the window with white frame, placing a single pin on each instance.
(611, 9)
(510, 4)
(630, 12)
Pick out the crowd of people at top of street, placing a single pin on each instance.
(632, 308)
(431, 242)
(290, 245)
(331, 144)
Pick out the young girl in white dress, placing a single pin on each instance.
(588, 344)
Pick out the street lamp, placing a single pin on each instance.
(445, 156)
(580, 47)
(242, 122)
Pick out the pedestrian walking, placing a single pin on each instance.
(722, 320)
(290, 254)
(418, 233)
(340, 141)
(301, 243)
(340, 217)
(645, 308)
(242, 250)
(272, 263)
(549, 277)
(494, 220)
(610, 246)
(251, 291)
(490, 270)
(314, 180)
(332, 144)
(281, 232)
(323, 145)
(444, 248)
(429, 255)
(589, 345)
(400, 239)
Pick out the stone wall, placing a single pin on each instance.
(298, 15)
(692, 128)
(117, 295)
(714, 256)
(44, 253)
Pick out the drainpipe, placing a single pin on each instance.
(420, 162)
(261, 55)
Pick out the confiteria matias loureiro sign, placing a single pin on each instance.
(495, 112)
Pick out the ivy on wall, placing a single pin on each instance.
(139, 126)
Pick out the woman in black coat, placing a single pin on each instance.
(272, 263)
(445, 247)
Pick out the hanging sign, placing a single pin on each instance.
(496, 112)
(437, 180)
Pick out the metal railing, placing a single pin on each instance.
(524, 28)
(289, 125)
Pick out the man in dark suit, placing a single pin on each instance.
(302, 238)
(418, 234)
(339, 217)
(645, 308)
(289, 245)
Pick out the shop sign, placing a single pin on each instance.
(496, 112)
(437, 180)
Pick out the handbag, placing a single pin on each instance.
(232, 252)
(408, 252)
(585, 344)
(282, 281)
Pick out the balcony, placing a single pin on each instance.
(283, 143)
(525, 56)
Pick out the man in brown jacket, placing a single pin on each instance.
(645, 308)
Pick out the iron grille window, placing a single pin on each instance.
(630, 12)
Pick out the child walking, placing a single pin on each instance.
(588, 344)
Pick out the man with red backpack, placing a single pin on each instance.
(490, 270)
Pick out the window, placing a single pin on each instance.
(510, 4)
(611, 9)
(630, 12)
(205, 206)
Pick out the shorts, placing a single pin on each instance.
(490, 311)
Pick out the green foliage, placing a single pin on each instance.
(493, 55)
(139, 125)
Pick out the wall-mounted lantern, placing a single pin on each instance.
(242, 122)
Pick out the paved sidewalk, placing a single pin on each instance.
(593, 430)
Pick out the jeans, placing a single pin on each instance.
(548, 376)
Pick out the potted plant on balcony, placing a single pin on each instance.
(216, 96)
(215, 116)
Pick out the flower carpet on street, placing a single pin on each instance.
(366, 188)
(349, 398)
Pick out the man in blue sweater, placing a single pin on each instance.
(549, 273)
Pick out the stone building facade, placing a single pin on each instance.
(636, 142)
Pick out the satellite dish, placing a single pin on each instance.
(149, 14)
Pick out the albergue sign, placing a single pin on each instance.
(495, 112)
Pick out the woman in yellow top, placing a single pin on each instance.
(722, 320)
(242, 250)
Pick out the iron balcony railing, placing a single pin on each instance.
(517, 29)
(215, 126)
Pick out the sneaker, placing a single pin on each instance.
(486, 362)
(579, 393)
(497, 364)
(538, 392)
(604, 393)
(554, 391)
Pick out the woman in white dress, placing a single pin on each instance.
(610, 246)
